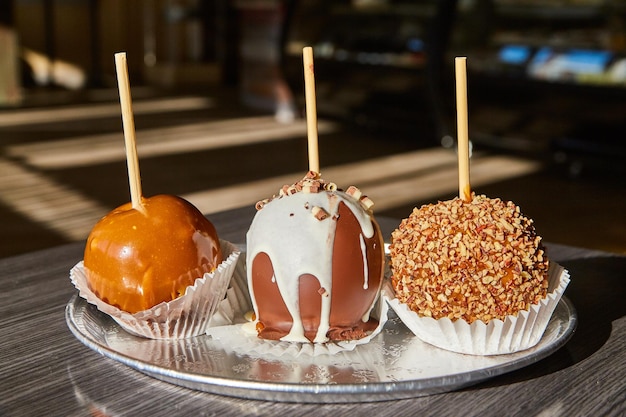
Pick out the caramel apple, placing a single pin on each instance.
(136, 259)
(315, 263)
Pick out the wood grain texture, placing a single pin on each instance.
(44, 370)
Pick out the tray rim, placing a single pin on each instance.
(320, 393)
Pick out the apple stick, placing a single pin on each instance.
(128, 122)
(311, 109)
(465, 191)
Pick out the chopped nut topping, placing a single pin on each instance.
(320, 213)
(310, 188)
(313, 183)
(366, 202)
(312, 175)
(259, 205)
(354, 192)
(330, 186)
(249, 315)
(474, 260)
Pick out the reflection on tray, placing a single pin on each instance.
(395, 364)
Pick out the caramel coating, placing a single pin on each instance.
(137, 260)
(477, 260)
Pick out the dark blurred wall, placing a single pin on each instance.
(83, 32)
(154, 33)
(6, 13)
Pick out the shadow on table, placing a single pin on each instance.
(596, 290)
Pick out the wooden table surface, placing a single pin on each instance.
(45, 370)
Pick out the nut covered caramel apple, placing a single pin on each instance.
(136, 260)
(471, 260)
(315, 263)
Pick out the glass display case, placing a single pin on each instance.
(546, 77)
(373, 60)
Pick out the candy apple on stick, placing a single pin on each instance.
(471, 258)
(150, 250)
(315, 254)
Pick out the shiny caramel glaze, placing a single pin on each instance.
(137, 260)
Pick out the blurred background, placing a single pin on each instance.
(218, 101)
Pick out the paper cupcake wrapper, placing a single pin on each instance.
(231, 328)
(187, 316)
(513, 334)
(234, 306)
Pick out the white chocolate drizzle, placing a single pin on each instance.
(297, 242)
(365, 267)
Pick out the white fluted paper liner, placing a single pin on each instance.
(186, 316)
(513, 334)
(242, 338)
(232, 308)
(230, 327)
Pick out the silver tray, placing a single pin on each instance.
(394, 365)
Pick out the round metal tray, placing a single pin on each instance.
(393, 365)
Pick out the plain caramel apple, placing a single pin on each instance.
(136, 259)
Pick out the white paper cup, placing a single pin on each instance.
(513, 334)
(186, 316)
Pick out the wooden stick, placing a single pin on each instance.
(311, 109)
(465, 191)
(132, 161)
